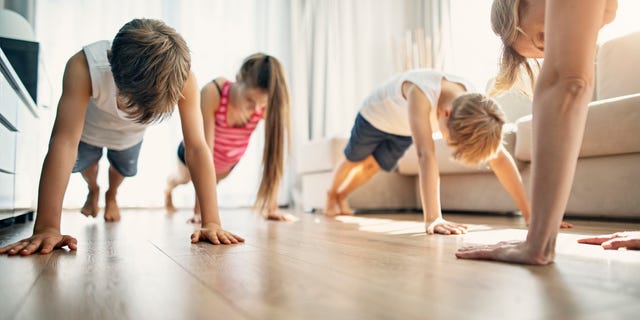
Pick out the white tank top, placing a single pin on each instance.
(105, 125)
(387, 110)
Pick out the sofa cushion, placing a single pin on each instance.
(613, 127)
(514, 103)
(618, 67)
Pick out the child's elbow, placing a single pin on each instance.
(425, 153)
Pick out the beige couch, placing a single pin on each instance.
(607, 179)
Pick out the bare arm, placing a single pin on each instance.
(560, 109)
(507, 172)
(429, 176)
(58, 163)
(209, 103)
(200, 164)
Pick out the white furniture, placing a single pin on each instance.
(20, 158)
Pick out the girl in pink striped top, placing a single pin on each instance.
(231, 113)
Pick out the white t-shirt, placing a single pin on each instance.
(387, 110)
(105, 125)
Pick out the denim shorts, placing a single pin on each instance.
(124, 161)
(367, 140)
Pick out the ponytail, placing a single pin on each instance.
(505, 16)
(266, 72)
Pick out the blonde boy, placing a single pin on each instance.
(408, 109)
(111, 93)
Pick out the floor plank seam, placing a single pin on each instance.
(195, 276)
(24, 301)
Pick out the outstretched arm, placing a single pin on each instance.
(58, 163)
(560, 109)
(507, 172)
(429, 176)
(200, 163)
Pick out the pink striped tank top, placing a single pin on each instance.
(231, 142)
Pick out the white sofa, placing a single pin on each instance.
(607, 179)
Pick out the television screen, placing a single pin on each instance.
(23, 56)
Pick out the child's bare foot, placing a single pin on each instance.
(195, 219)
(168, 202)
(90, 207)
(111, 210)
(330, 204)
(345, 209)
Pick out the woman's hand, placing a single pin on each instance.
(629, 240)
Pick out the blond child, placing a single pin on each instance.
(111, 93)
(409, 108)
(231, 112)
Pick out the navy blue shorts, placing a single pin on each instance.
(124, 161)
(367, 140)
(181, 153)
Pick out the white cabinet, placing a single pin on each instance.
(20, 146)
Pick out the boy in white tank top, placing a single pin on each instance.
(111, 92)
(408, 109)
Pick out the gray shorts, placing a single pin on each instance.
(124, 161)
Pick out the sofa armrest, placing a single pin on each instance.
(613, 127)
(320, 155)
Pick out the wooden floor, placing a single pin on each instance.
(364, 267)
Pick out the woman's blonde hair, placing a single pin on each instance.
(265, 72)
(505, 21)
(475, 128)
(150, 63)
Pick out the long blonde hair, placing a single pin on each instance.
(505, 20)
(265, 72)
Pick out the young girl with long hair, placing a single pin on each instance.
(231, 112)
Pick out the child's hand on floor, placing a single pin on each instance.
(44, 242)
(563, 225)
(213, 233)
(442, 226)
(277, 216)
